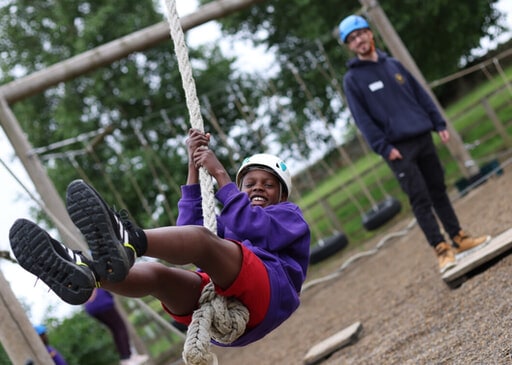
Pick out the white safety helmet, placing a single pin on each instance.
(268, 162)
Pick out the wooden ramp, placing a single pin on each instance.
(479, 260)
(331, 344)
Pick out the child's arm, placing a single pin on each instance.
(206, 158)
(189, 206)
(196, 139)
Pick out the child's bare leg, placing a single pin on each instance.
(220, 258)
(178, 289)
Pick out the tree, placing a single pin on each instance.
(291, 27)
(4, 359)
(82, 340)
(136, 106)
(303, 35)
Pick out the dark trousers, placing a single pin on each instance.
(421, 177)
(115, 323)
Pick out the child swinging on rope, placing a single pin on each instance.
(259, 256)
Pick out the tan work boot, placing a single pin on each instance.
(445, 256)
(464, 241)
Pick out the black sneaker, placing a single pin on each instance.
(114, 241)
(66, 272)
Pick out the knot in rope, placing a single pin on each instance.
(220, 318)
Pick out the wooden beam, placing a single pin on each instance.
(109, 52)
(17, 335)
(52, 203)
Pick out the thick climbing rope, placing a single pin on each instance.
(219, 318)
(196, 119)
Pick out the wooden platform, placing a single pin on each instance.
(479, 259)
(331, 344)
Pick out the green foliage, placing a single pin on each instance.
(303, 34)
(141, 162)
(292, 27)
(81, 340)
(4, 359)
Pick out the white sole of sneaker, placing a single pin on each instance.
(463, 254)
(447, 267)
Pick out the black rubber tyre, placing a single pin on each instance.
(328, 247)
(382, 213)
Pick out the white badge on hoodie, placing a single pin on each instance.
(377, 85)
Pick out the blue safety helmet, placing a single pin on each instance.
(40, 329)
(351, 23)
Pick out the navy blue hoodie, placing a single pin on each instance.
(388, 104)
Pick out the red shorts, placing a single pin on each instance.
(251, 287)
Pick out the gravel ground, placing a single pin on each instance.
(409, 315)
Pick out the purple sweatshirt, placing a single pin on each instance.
(56, 356)
(100, 301)
(277, 234)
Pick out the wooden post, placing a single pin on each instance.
(331, 215)
(53, 203)
(466, 164)
(134, 337)
(17, 334)
(502, 74)
(497, 122)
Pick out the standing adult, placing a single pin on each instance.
(396, 116)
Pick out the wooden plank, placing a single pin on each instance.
(496, 247)
(331, 344)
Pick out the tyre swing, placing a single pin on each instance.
(219, 318)
(325, 247)
(383, 211)
(379, 213)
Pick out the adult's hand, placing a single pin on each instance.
(444, 135)
(394, 154)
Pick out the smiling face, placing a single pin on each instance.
(263, 188)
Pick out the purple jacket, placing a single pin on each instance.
(277, 234)
(56, 356)
(100, 301)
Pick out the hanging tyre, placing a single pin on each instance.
(381, 213)
(328, 247)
